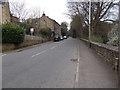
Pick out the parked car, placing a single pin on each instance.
(65, 37)
(61, 37)
(56, 38)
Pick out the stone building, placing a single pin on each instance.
(34, 22)
(5, 16)
(44, 22)
(15, 19)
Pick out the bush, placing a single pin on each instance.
(113, 36)
(0, 33)
(12, 33)
(97, 39)
(46, 32)
(26, 26)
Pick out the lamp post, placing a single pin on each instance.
(90, 23)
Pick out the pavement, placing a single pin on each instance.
(54, 65)
(94, 72)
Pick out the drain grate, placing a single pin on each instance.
(74, 60)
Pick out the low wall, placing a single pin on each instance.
(30, 37)
(109, 53)
(26, 43)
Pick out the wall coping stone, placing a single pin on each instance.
(113, 48)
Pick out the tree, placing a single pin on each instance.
(64, 29)
(77, 25)
(113, 36)
(19, 10)
(35, 12)
(100, 11)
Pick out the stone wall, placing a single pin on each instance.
(30, 37)
(109, 53)
(26, 43)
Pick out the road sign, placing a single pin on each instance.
(32, 30)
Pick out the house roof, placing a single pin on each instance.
(50, 19)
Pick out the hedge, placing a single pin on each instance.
(45, 32)
(12, 33)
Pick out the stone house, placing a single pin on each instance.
(15, 19)
(34, 22)
(5, 16)
(44, 22)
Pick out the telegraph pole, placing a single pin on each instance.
(119, 50)
(90, 23)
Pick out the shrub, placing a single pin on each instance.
(97, 39)
(0, 33)
(12, 33)
(26, 26)
(113, 36)
(45, 32)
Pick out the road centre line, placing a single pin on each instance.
(53, 47)
(39, 53)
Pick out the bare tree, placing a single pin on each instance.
(18, 9)
(100, 11)
(35, 12)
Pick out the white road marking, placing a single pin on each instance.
(39, 53)
(3, 55)
(53, 47)
(77, 71)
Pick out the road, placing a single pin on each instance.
(54, 65)
(43, 66)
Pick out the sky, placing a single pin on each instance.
(55, 9)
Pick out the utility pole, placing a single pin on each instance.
(90, 24)
(119, 51)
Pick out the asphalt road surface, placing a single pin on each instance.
(65, 64)
(43, 66)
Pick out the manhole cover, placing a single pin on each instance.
(74, 60)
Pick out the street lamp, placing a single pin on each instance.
(90, 23)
